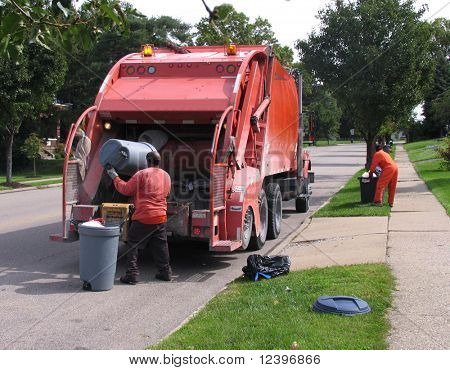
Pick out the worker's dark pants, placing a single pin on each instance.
(140, 235)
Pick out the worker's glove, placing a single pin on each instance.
(110, 170)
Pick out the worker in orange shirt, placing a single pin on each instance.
(387, 178)
(150, 188)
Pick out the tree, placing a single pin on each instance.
(327, 114)
(56, 23)
(376, 55)
(15, 103)
(233, 26)
(31, 148)
(29, 28)
(440, 109)
(435, 121)
(88, 68)
(27, 89)
(284, 54)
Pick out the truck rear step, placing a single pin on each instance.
(225, 246)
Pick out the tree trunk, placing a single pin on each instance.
(9, 146)
(34, 167)
(370, 142)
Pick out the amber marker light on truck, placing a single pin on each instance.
(231, 49)
(147, 50)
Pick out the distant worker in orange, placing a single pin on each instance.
(387, 178)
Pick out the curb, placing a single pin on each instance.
(302, 227)
(30, 188)
(31, 182)
(289, 238)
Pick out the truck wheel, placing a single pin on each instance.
(275, 204)
(247, 228)
(302, 204)
(257, 242)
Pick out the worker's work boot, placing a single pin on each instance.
(377, 204)
(127, 279)
(164, 275)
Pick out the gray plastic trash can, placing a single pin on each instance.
(127, 157)
(98, 256)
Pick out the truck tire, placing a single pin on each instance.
(257, 242)
(275, 205)
(247, 229)
(302, 204)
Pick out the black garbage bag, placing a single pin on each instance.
(266, 266)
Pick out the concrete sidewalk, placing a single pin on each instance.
(335, 241)
(419, 254)
(413, 240)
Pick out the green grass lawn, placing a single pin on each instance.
(434, 173)
(347, 202)
(45, 169)
(437, 179)
(264, 315)
(38, 184)
(335, 142)
(419, 150)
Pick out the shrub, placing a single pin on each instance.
(31, 148)
(444, 152)
(59, 151)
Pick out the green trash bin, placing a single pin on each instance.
(367, 189)
(98, 256)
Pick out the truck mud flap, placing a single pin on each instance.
(178, 219)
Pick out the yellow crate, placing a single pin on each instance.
(117, 212)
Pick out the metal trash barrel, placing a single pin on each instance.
(367, 189)
(98, 256)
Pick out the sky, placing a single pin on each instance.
(291, 19)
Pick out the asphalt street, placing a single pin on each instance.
(42, 305)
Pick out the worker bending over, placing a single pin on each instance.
(150, 188)
(387, 178)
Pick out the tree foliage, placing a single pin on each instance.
(436, 102)
(440, 109)
(50, 24)
(327, 113)
(87, 69)
(234, 26)
(375, 55)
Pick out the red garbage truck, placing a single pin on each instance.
(227, 122)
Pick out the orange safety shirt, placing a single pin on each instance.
(150, 189)
(382, 159)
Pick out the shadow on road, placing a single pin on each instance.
(33, 265)
(331, 165)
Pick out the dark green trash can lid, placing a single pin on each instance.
(341, 305)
